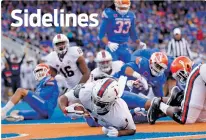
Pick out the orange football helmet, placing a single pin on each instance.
(181, 68)
(41, 70)
(122, 6)
(158, 63)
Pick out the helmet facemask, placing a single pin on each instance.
(105, 66)
(181, 76)
(61, 48)
(100, 107)
(157, 69)
(122, 9)
(40, 73)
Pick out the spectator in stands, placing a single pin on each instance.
(6, 75)
(15, 68)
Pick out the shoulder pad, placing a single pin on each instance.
(132, 15)
(75, 51)
(138, 60)
(107, 13)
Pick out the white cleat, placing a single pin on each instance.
(3, 115)
(14, 117)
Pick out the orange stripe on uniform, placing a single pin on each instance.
(188, 95)
(104, 86)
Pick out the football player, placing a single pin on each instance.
(147, 72)
(147, 53)
(43, 101)
(105, 66)
(108, 68)
(118, 24)
(192, 108)
(69, 62)
(100, 98)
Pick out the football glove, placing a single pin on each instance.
(142, 45)
(112, 46)
(71, 112)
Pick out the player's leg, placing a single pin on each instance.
(38, 104)
(19, 115)
(192, 104)
(123, 53)
(114, 54)
(18, 95)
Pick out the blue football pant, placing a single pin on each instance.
(39, 106)
(122, 53)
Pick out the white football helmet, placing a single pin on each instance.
(122, 6)
(60, 43)
(104, 61)
(41, 70)
(104, 94)
(158, 63)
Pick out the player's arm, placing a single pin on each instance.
(103, 28)
(63, 102)
(84, 69)
(53, 71)
(130, 69)
(134, 35)
(126, 132)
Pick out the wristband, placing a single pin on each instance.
(136, 75)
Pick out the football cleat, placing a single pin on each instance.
(176, 97)
(14, 117)
(154, 111)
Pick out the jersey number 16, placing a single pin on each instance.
(67, 72)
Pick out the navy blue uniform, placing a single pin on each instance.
(15, 70)
(43, 100)
(118, 28)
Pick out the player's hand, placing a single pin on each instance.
(71, 112)
(112, 46)
(112, 132)
(141, 83)
(142, 45)
(105, 130)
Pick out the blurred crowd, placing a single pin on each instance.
(155, 22)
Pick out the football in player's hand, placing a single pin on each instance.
(79, 107)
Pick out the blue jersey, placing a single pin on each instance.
(118, 28)
(48, 90)
(141, 65)
(147, 54)
(143, 53)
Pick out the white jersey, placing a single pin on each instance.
(119, 115)
(67, 67)
(97, 72)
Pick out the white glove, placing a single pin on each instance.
(112, 132)
(142, 45)
(69, 111)
(142, 82)
(105, 130)
(112, 46)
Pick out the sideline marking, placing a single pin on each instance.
(19, 136)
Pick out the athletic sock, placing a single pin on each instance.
(163, 107)
(8, 107)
